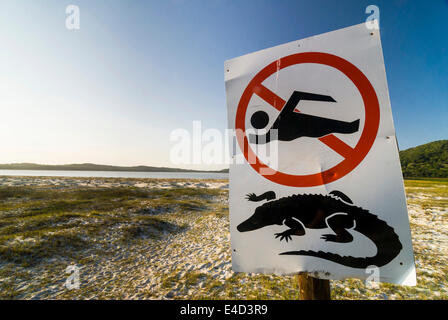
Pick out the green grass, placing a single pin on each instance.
(39, 223)
(427, 193)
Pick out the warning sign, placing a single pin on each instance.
(292, 124)
(320, 189)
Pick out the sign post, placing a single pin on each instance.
(315, 183)
(313, 288)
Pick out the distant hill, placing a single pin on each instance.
(426, 160)
(94, 167)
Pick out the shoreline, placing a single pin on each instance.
(99, 182)
(114, 174)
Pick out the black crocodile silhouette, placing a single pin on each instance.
(336, 211)
(269, 195)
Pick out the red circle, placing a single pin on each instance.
(372, 119)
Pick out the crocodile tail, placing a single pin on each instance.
(349, 261)
(383, 236)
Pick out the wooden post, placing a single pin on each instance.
(312, 288)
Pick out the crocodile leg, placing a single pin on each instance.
(296, 229)
(339, 224)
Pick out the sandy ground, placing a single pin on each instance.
(66, 182)
(196, 263)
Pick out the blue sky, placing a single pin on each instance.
(113, 91)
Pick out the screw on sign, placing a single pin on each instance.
(323, 128)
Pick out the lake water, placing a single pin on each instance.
(115, 174)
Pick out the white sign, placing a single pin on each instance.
(316, 183)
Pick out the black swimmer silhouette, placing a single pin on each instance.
(291, 125)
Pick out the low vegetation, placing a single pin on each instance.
(39, 223)
(173, 243)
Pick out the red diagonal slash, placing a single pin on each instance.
(270, 97)
(330, 141)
